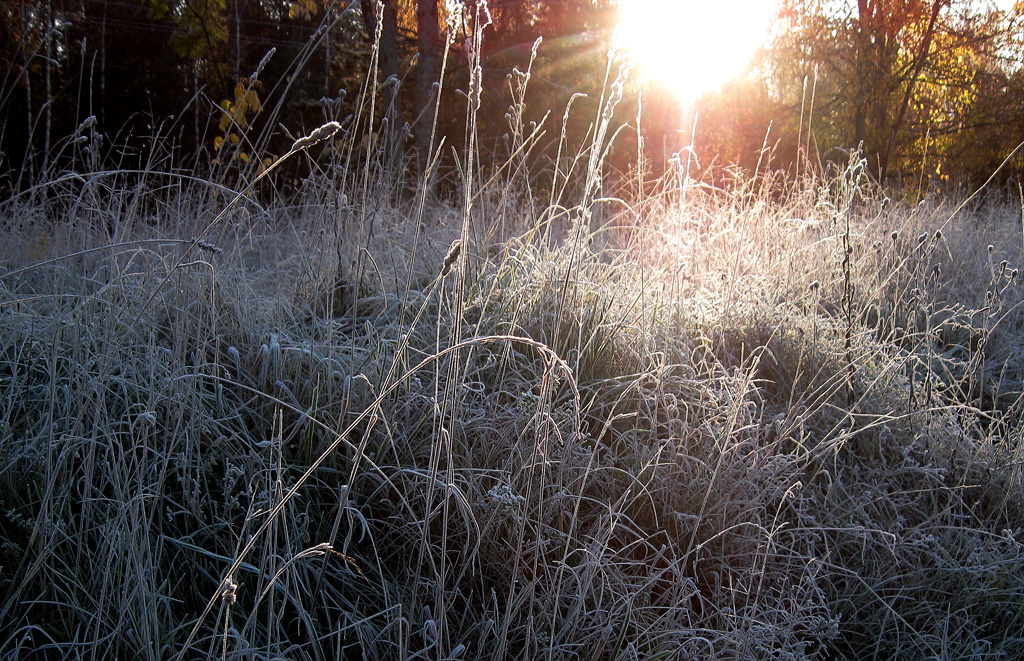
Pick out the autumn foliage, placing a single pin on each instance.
(931, 91)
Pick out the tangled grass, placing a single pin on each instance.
(744, 429)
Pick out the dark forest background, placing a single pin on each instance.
(932, 91)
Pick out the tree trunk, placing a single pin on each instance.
(387, 52)
(25, 67)
(864, 71)
(49, 84)
(389, 41)
(103, 71)
(901, 114)
(238, 43)
(388, 46)
(428, 35)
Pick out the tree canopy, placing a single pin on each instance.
(921, 86)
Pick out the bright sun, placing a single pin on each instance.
(693, 46)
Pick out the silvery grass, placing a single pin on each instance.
(354, 425)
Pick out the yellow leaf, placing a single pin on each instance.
(234, 138)
(252, 99)
(244, 157)
(218, 142)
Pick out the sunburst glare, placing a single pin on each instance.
(693, 46)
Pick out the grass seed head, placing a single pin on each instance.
(230, 592)
(451, 257)
(324, 132)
